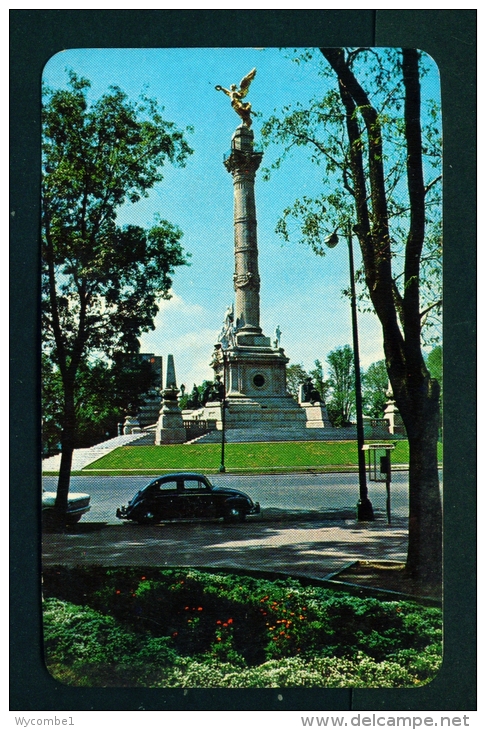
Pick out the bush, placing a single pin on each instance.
(86, 640)
(181, 626)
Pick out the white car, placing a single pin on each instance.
(78, 505)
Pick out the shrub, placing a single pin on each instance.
(85, 642)
(181, 626)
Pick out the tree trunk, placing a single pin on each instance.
(67, 441)
(416, 394)
(424, 559)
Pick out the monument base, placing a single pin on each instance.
(170, 427)
(316, 415)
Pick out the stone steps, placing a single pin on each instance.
(83, 457)
(274, 434)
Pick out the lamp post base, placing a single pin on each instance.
(364, 511)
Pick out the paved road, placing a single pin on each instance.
(307, 527)
(293, 493)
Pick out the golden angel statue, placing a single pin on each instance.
(243, 109)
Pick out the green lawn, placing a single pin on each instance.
(249, 457)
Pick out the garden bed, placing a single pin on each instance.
(193, 628)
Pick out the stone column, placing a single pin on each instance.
(242, 163)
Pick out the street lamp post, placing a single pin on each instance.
(364, 509)
(222, 468)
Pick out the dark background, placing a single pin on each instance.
(449, 36)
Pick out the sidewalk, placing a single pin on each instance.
(301, 545)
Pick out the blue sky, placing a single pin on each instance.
(299, 291)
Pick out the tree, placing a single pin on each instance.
(340, 406)
(51, 402)
(105, 392)
(375, 385)
(296, 376)
(101, 282)
(434, 363)
(317, 375)
(381, 151)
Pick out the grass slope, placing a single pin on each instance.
(250, 457)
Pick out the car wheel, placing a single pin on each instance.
(148, 518)
(72, 520)
(235, 515)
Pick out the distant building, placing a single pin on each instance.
(149, 412)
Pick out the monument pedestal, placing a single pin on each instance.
(170, 426)
(316, 415)
(255, 385)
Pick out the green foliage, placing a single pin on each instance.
(105, 392)
(342, 403)
(183, 627)
(317, 375)
(296, 375)
(319, 127)
(297, 672)
(80, 635)
(51, 405)
(434, 364)
(374, 386)
(101, 282)
(100, 279)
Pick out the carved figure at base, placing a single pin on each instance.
(227, 334)
(311, 394)
(214, 391)
(193, 402)
(243, 109)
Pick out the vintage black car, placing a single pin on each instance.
(187, 496)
